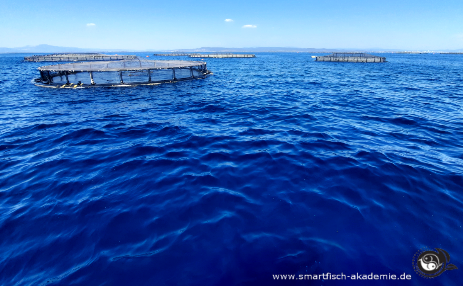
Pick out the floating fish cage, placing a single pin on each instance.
(172, 55)
(213, 55)
(351, 58)
(119, 73)
(77, 57)
(222, 55)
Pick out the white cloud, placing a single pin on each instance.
(249, 26)
(228, 20)
(90, 25)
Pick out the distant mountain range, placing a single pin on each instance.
(259, 50)
(55, 49)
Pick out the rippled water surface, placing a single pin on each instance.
(273, 165)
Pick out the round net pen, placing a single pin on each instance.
(77, 57)
(171, 55)
(222, 55)
(119, 73)
(351, 58)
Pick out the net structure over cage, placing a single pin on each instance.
(351, 57)
(119, 73)
(77, 57)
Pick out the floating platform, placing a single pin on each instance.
(119, 73)
(222, 55)
(172, 55)
(351, 58)
(413, 53)
(78, 57)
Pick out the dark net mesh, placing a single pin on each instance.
(351, 57)
(127, 72)
(136, 64)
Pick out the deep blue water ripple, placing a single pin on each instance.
(273, 165)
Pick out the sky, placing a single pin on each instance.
(180, 24)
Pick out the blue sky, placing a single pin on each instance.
(159, 25)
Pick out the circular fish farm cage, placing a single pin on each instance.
(351, 58)
(119, 73)
(222, 55)
(77, 57)
(172, 55)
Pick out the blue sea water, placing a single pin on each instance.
(272, 165)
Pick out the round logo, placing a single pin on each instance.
(432, 263)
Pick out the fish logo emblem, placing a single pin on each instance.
(432, 263)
